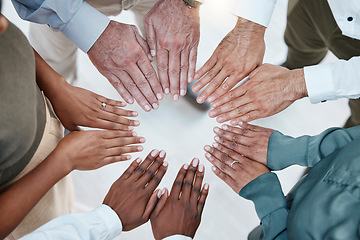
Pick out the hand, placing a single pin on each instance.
(79, 107)
(180, 213)
(88, 150)
(250, 141)
(132, 196)
(240, 52)
(269, 90)
(122, 56)
(242, 171)
(173, 33)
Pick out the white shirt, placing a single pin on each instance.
(101, 223)
(327, 81)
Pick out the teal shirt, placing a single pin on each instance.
(325, 204)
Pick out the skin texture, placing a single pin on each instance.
(239, 53)
(269, 90)
(133, 196)
(122, 56)
(174, 42)
(180, 212)
(85, 150)
(79, 107)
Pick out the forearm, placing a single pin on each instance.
(18, 200)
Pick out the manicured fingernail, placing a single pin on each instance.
(153, 53)
(182, 92)
(138, 160)
(200, 99)
(225, 127)
(201, 168)
(154, 152)
(159, 194)
(155, 105)
(134, 134)
(213, 168)
(217, 138)
(195, 162)
(206, 186)
(176, 97)
(134, 113)
(142, 140)
(210, 99)
(150, 57)
(159, 96)
(147, 108)
(140, 148)
(136, 123)
(162, 153)
(207, 148)
(215, 145)
(216, 129)
(165, 164)
(208, 156)
(167, 91)
(190, 79)
(186, 166)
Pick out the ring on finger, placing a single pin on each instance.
(231, 164)
(103, 106)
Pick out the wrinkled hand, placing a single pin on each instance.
(269, 90)
(79, 107)
(88, 150)
(173, 33)
(180, 213)
(242, 171)
(132, 196)
(122, 56)
(240, 52)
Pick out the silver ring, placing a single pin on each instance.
(103, 106)
(231, 164)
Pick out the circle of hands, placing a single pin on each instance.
(239, 152)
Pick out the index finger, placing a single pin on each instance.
(177, 185)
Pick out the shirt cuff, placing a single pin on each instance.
(266, 193)
(178, 237)
(111, 220)
(257, 11)
(86, 26)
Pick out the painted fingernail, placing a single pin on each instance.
(167, 91)
(190, 79)
(142, 140)
(217, 138)
(159, 194)
(165, 164)
(147, 108)
(210, 99)
(182, 92)
(134, 114)
(153, 53)
(155, 105)
(154, 152)
(208, 156)
(140, 148)
(176, 97)
(186, 166)
(162, 153)
(201, 168)
(206, 186)
(213, 168)
(195, 162)
(216, 129)
(200, 99)
(215, 145)
(136, 123)
(138, 160)
(134, 134)
(207, 148)
(159, 96)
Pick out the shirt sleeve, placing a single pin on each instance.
(335, 80)
(178, 237)
(257, 11)
(270, 204)
(77, 20)
(284, 151)
(101, 223)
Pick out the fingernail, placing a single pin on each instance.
(225, 127)
(163, 191)
(128, 157)
(162, 153)
(214, 105)
(155, 106)
(150, 57)
(195, 162)
(159, 96)
(147, 108)
(138, 160)
(140, 148)
(130, 101)
(142, 140)
(167, 91)
(211, 113)
(233, 122)
(136, 122)
(220, 119)
(215, 145)
(216, 129)
(195, 88)
(213, 168)
(134, 134)
(206, 186)
(208, 156)
(153, 53)
(210, 99)
(241, 123)
(217, 138)
(190, 79)
(176, 97)
(207, 148)
(165, 164)
(154, 152)
(201, 168)
(159, 194)
(134, 114)
(200, 99)
(130, 128)
(182, 92)
(196, 75)
(186, 166)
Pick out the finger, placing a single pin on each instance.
(178, 183)
(111, 117)
(195, 193)
(145, 164)
(109, 134)
(174, 73)
(232, 95)
(117, 151)
(238, 112)
(233, 137)
(114, 159)
(130, 169)
(237, 148)
(189, 179)
(230, 105)
(118, 111)
(119, 142)
(192, 63)
(207, 66)
(162, 196)
(155, 181)
(212, 86)
(225, 87)
(244, 131)
(150, 206)
(184, 69)
(223, 176)
(202, 199)
(144, 45)
(150, 36)
(219, 159)
(120, 88)
(207, 78)
(110, 102)
(108, 124)
(153, 168)
(248, 117)
(163, 67)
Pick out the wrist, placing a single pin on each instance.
(252, 27)
(55, 88)
(298, 82)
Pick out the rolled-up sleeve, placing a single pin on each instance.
(77, 20)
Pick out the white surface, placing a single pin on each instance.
(182, 131)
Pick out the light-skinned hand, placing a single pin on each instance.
(123, 57)
(133, 196)
(239, 53)
(180, 212)
(269, 90)
(173, 33)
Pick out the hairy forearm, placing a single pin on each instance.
(18, 200)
